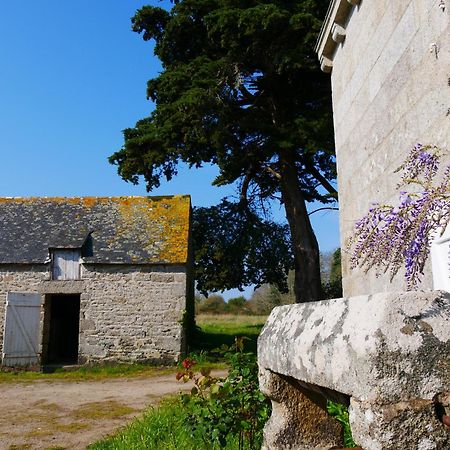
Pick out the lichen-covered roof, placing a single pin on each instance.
(123, 230)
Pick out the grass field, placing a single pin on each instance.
(216, 330)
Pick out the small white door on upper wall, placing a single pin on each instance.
(21, 333)
(66, 264)
(440, 261)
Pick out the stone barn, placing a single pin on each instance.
(94, 279)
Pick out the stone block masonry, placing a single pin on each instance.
(390, 84)
(127, 312)
(131, 313)
(387, 355)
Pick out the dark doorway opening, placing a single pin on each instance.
(63, 328)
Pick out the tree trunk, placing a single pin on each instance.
(307, 286)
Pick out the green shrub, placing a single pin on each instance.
(340, 413)
(223, 410)
(214, 304)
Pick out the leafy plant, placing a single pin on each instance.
(340, 413)
(223, 409)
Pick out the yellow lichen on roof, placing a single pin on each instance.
(176, 228)
(163, 220)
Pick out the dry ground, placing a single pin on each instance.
(70, 415)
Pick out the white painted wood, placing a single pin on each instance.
(66, 264)
(21, 332)
(440, 261)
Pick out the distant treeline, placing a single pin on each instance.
(265, 298)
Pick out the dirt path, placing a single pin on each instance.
(70, 415)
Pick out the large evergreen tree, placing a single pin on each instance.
(241, 88)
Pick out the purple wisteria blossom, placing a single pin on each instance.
(389, 238)
(421, 163)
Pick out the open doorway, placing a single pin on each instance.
(61, 329)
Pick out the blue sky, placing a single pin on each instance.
(72, 77)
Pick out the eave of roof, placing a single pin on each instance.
(338, 14)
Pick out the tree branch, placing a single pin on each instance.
(323, 181)
(273, 172)
(243, 200)
(322, 209)
(246, 93)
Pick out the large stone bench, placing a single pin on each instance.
(386, 355)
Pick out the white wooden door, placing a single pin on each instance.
(21, 333)
(66, 264)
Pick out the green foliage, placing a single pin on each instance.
(340, 413)
(336, 268)
(188, 324)
(223, 409)
(161, 427)
(215, 304)
(240, 88)
(165, 427)
(265, 298)
(235, 248)
(237, 303)
(268, 296)
(332, 289)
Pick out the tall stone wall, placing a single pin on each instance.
(127, 313)
(391, 89)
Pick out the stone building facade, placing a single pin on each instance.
(94, 279)
(390, 74)
(382, 352)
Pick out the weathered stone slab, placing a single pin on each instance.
(389, 352)
(372, 347)
(412, 424)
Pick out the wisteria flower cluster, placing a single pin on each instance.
(391, 237)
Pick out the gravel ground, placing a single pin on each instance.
(70, 415)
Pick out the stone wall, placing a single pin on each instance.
(391, 89)
(127, 313)
(130, 313)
